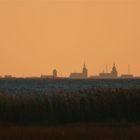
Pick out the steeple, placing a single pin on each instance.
(84, 65)
(114, 71)
(54, 73)
(85, 71)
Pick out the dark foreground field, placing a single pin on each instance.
(71, 132)
(89, 105)
(88, 114)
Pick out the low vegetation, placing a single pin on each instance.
(87, 105)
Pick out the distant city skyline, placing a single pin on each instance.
(83, 74)
(37, 36)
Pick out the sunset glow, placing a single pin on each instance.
(38, 36)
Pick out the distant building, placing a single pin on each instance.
(54, 75)
(8, 76)
(83, 75)
(127, 76)
(113, 74)
(105, 75)
(137, 77)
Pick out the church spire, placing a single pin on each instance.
(85, 71)
(84, 65)
(114, 71)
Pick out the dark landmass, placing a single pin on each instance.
(84, 114)
(38, 85)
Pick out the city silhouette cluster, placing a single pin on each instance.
(104, 75)
(113, 74)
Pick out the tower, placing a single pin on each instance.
(85, 71)
(114, 72)
(54, 73)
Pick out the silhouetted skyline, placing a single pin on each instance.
(113, 74)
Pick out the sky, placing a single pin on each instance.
(37, 36)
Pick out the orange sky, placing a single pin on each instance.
(39, 35)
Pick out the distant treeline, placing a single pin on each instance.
(89, 105)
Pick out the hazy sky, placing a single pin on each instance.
(39, 35)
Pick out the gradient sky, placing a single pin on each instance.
(39, 35)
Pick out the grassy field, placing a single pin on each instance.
(89, 105)
(90, 114)
(71, 132)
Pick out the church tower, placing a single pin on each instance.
(114, 72)
(54, 73)
(85, 72)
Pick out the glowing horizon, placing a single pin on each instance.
(41, 35)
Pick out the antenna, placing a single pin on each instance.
(128, 69)
(114, 63)
(84, 63)
(106, 68)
